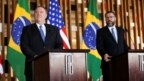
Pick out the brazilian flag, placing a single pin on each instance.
(15, 56)
(92, 24)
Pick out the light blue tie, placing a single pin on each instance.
(113, 33)
(42, 33)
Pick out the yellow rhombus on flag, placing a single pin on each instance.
(92, 24)
(15, 56)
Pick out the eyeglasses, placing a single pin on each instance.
(110, 17)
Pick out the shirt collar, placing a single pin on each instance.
(112, 27)
(38, 25)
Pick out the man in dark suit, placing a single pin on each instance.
(38, 38)
(110, 43)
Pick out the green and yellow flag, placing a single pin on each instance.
(15, 56)
(92, 24)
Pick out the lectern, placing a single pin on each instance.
(128, 67)
(60, 65)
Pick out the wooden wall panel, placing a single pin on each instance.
(131, 42)
(135, 24)
(69, 22)
(142, 17)
(139, 24)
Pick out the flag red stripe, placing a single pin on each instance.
(65, 44)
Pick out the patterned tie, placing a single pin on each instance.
(42, 33)
(113, 33)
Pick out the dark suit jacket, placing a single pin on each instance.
(107, 44)
(32, 43)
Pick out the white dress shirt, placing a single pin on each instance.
(43, 28)
(115, 32)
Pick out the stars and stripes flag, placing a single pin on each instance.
(55, 18)
(1, 67)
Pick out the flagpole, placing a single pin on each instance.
(2, 28)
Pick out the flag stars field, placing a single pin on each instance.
(55, 18)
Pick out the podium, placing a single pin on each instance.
(128, 67)
(60, 65)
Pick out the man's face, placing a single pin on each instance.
(40, 14)
(110, 19)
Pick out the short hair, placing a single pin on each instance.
(110, 12)
(41, 7)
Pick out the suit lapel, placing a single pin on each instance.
(36, 30)
(109, 34)
(118, 33)
(48, 33)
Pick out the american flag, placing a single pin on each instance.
(55, 18)
(1, 67)
(1, 63)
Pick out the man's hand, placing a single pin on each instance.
(107, 57)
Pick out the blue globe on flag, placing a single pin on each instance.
(89, 35)
(17, 27)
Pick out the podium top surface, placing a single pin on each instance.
(60, 51)
(135, 51)
(68, 50)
